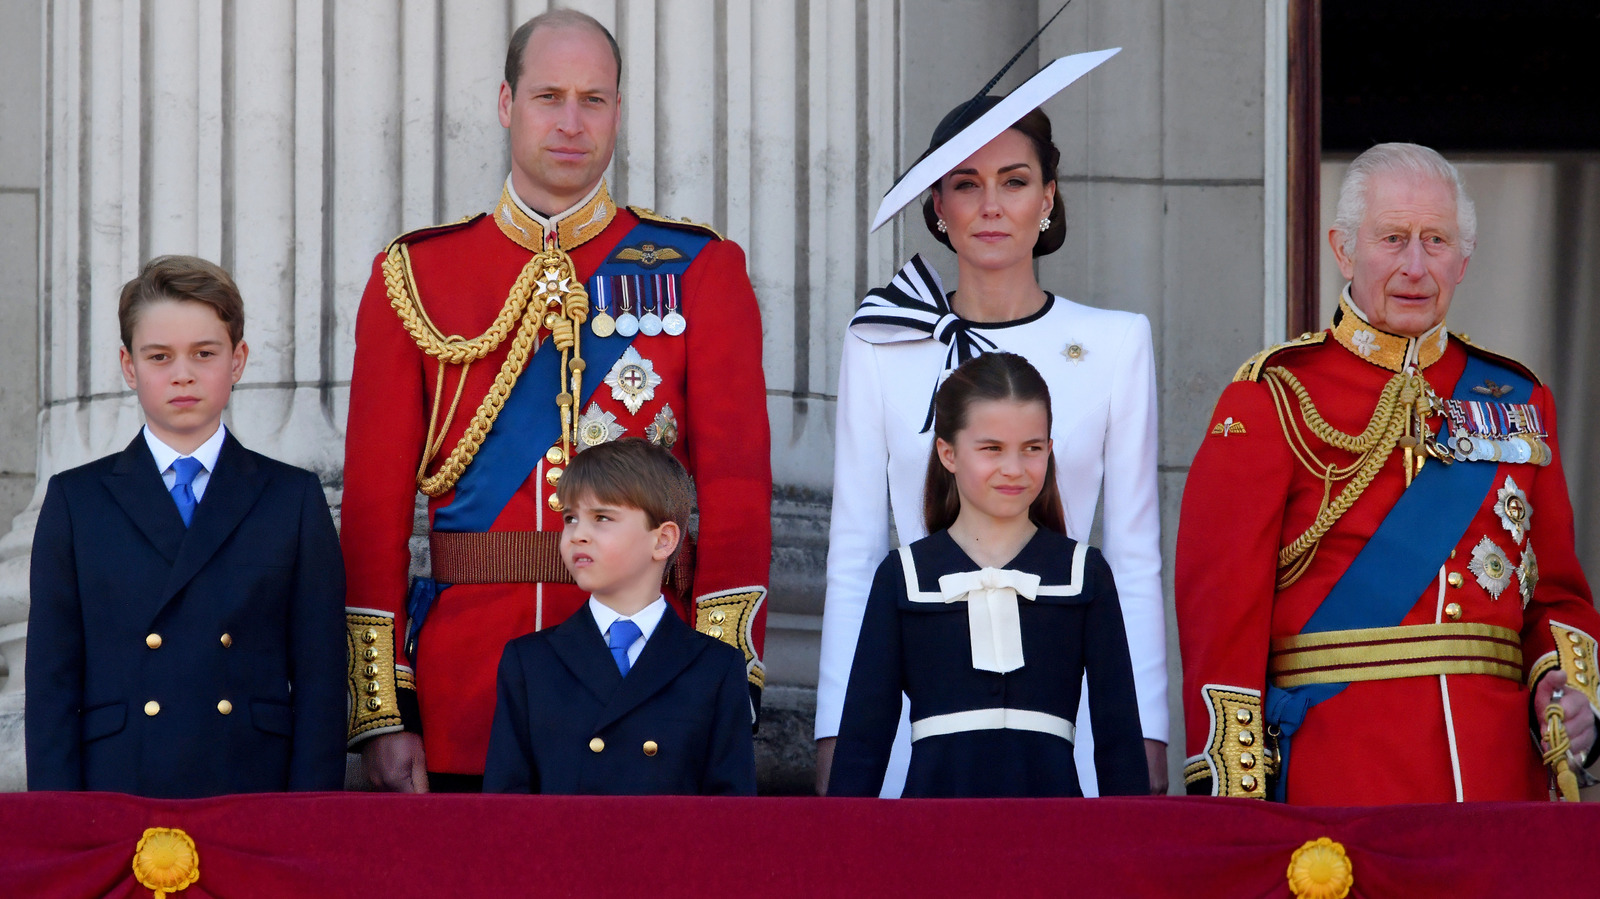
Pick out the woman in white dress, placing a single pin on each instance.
(997, 208)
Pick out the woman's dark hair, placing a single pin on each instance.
(1035, 126)
(990, 377)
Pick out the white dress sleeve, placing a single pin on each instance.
(858, 536)
(1131, 527)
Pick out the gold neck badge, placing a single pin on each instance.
(1385, 350)
(564, 231)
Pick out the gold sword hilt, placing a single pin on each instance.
(1555, 758)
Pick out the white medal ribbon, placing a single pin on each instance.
(991, 595)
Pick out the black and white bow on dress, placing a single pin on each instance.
(913, 306)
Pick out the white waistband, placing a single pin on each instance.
(993, 719)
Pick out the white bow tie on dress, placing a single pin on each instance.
(991, 595)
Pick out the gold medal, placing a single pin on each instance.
(603, 325)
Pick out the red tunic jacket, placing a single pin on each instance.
(711, 378)
(1406, 739)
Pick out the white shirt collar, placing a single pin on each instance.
(647, 618)
(206, 454)
(549, 224)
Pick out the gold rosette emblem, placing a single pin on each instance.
(1319, 869)
(166, 861)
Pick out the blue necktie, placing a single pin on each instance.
(183, 491)
(621, 636)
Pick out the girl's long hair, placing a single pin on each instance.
(990, 377)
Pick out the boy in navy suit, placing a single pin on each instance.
(622, 698)
(186, 633)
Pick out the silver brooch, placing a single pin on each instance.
(1074, 352)
(1528, 574)
(1511, 504)
(663, 432)
(633, 380)
(1490, 565)
(596, 427)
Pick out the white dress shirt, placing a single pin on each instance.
(647, 618)
(206, 454)
(1104, 429)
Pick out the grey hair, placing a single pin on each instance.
(1408, 159)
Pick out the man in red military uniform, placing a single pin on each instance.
(1362, 614)
(584, 322)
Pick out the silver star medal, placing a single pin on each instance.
(1490, 565)
(663, 432)
(633, 380)
(1074, 352)
(1516, 516)
(596, 427)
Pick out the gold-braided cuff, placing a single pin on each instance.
(1574, 654)
(730, 616)
(1237, 758)
(374, 678)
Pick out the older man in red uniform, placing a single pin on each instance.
(1362, 613)
(583, 322)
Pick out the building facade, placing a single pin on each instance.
(290, 140)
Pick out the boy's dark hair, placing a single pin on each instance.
(635, 473)
(186, 279)
(992, 376)
(555, 18)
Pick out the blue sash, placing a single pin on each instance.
(530, 421)
(1400, 560)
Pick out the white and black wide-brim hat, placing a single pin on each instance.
(982, 119)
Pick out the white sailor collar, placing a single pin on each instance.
(952, 559)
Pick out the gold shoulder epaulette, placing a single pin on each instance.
(1480, 350)
(411, 237)
(650, 215)
(1252, 368)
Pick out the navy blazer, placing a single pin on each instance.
(178, 662)
(567, 721)
(925, 650)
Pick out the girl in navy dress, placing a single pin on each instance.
(990, 623)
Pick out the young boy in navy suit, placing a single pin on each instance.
(622, 698)
(186, 635)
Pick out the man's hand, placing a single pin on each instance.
(1155, 756)
(1580, 720)
(824, 763)
(394, 763)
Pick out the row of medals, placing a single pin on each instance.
(627, 324)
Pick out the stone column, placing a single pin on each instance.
(21, 121)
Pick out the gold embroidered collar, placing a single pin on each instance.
(1385, 350)
(564, 231)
